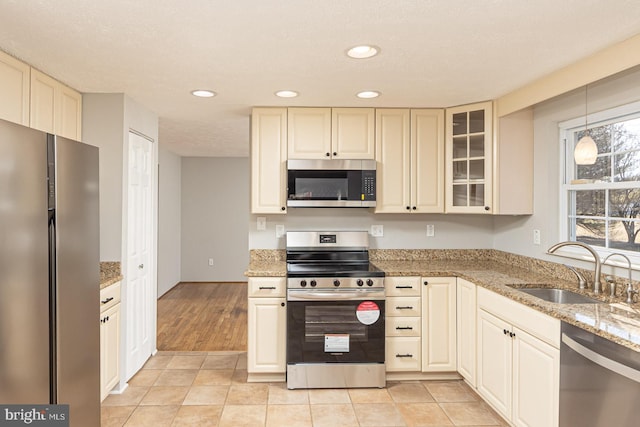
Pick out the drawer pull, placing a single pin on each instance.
(404, 307)
(404, 287)
(404, 355)
(262, 288)
(400, 328)
(106, 300)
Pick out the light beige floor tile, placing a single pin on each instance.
(115, 416)
(328, 396)
(288, 415)
(370, 395)
(145, 377)
(378, 414)
(214, 377)
(242, 361)
(243, 415)
(186, 362)
(206, 395)
(409, 392)
(338, 415)
(423, 414)
(113, 422)
(157, 362)
(130, 397)
(248, 394)
(279, 395)
(467, 413)
(183, 377)
(165, 395)
(222, 361)
(152, 416)
(450, 391)
(198, 416)
(239, 376)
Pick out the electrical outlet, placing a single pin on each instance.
(210, 262)
(280, 230)
(536, 237)
(431, 230)
(377, 230)
(261, 223)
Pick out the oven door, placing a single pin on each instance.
(338, 331)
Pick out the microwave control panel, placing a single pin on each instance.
(368, 185)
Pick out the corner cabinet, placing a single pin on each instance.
(410, 155)
(267, 320)
(15, 81)
(268, 160)
(109, 338)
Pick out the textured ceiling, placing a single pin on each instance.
(435, 53)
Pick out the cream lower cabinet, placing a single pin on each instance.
(402, 324)
(267, 319)
(518, 370)
(466, 327)
(109, 338)
(438, 324)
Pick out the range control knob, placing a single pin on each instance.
(336, 283)
(313, 283)
(369, 282)
(359, 282)
(303, 283)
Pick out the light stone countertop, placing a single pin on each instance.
(496, 270)
(109, 273)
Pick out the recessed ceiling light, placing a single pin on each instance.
(368, 94)
(362, 52)
(287, 93)
(203, 93)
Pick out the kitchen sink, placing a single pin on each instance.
(560, 296)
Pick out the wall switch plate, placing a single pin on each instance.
(280, 230)
(536, 237)
(261, 223)
(431, 230)
(377, 230)
(210, 262)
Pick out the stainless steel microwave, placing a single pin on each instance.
(331, 183)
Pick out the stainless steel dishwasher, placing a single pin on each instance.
(599, 381)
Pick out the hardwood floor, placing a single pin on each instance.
(203, 317)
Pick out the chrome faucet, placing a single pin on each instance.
(582, 283)
(597, 286)
(630, 291)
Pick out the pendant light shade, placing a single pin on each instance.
(586, 151)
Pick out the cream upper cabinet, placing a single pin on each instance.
(439, 324)
(15, 82)
(327, 133)
(268, 160)
(309, 133)
(410, 155)
(469, 155)
(55, 108)
(352, 133)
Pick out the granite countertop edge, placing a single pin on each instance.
(109, 273)
(613, 320)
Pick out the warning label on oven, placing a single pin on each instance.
(336, 343)
(368, 312)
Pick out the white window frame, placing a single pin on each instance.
(566, 128)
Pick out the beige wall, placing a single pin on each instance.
(169, 213)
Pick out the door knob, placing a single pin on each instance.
(141, 266)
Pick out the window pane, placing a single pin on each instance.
(600, 171)
(460, 124)
(590, 203)
(624, 235)
(476, 121)
(624, 203)
(626, 166)
(591, 231)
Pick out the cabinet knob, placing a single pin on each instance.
(408, 208)
(283, 208)
(281, 304)
(426, 282)
(504, 331)
(486, 208)
(327, 154)
(414, 208)
(335, 153)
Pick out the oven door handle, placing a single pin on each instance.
(333, 296)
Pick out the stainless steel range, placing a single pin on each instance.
(335, 311)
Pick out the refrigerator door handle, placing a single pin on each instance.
(53, 338)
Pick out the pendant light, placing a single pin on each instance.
(586, 151)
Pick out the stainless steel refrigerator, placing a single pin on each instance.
(49, 272)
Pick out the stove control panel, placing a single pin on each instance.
(334, 282)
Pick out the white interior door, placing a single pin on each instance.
(139, 274)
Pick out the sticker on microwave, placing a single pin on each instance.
(336, 343)
(368, 312)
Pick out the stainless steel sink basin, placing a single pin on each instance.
(559, 296)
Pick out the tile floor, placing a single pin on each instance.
(210, 389)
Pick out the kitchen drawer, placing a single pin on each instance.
(403, 306)
(267, 287)
(109, 296)
(402, 286)
(402, 326)
(403, 354)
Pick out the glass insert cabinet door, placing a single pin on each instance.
(469, 148)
